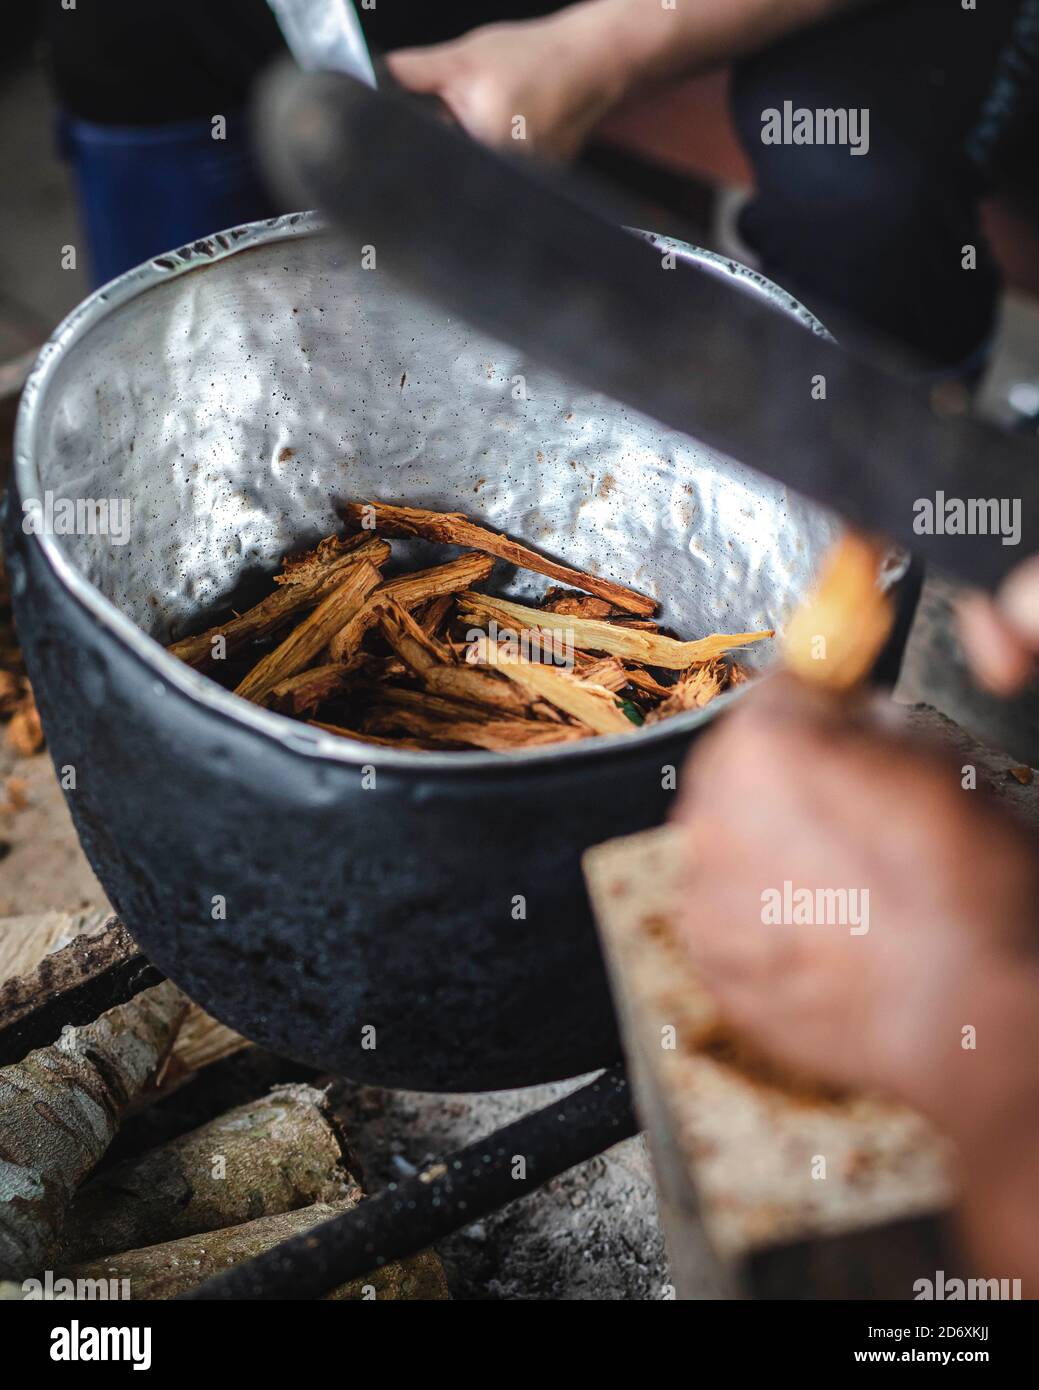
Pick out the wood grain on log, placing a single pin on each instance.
(59, 1109)
(276, 1154)
(73, 985)
(30, 941)
(163, 1271)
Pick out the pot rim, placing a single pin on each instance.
(293, 735)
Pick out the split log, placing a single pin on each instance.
(164, 1271)
(27, 938)
(59, 1109)
(94, 972)
(452, 528)
(595, 635)
(27, 943)
(276, 1154)
(202, 1040)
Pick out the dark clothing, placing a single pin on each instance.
(153, 62)
(146, 62)
(879, 238)
(876, 239)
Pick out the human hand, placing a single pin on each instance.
(536, 87)
(788, 790)
(1000, 635)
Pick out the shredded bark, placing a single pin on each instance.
(313, 635)
(452, 528)
(648, 647)
(423, 661)
(272, 613)
(410, 590)
(590, 705)
(696, 688)
(577, 605)
(302, 694)
(495, 735)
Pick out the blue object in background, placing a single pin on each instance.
(148, 189)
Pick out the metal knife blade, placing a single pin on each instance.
(514, 249)
(325, 36)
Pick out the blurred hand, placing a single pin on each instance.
(1001, 636)
(533, 87)
(788, 790)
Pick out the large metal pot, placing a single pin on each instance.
(430, 931)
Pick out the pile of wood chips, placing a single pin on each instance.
(424, 661)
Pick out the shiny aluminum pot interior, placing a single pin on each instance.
(426, 927)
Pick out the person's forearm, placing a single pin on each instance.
(638, 43)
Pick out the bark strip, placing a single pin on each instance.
(591, 705)
(294, 597)
(307, 641)
(452, 528)
(652, 648)
(496, 735)
(410, 590)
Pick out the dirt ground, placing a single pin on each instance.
(42, 868)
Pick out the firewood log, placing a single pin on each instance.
(163, 1271)
(59, 1109)
(273, 1155)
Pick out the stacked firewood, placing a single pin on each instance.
(424, 660)
(125, 1170)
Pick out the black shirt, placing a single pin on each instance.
(145, 62)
